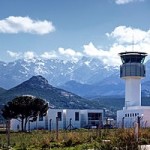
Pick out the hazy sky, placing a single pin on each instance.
(70, 29)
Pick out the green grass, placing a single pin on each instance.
(75, 140)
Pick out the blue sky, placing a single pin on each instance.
(70, 29)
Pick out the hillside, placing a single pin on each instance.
(38, 86)
(110, 86)
(2, 90)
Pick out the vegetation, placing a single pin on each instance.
(25, 108)
(82, 139)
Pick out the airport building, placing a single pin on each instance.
(64, 119)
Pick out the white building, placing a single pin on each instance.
(127, 117)
(132, 71)
(64, 119)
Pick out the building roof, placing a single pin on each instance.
(133, 53)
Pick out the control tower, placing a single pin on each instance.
(132, 71)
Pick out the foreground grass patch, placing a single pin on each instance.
(76, 140)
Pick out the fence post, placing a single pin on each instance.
(57, 128)
(136, 131)
(50, 125)
(8, 132)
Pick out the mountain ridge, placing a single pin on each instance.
(38, 86)
(57, 72)
(90, 75)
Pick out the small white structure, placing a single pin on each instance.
(64, 119)
(132, 71)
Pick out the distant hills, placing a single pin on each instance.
(38, 86)
(2, 90)
(111, 86)
(58, 98)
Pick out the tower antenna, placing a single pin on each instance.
(132, 40)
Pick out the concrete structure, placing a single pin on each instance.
(132, 71)
(64, 119)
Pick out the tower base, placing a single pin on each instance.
(127, 118)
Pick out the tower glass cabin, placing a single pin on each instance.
(132, 71)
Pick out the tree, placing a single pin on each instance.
(25, 108)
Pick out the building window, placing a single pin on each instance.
(125, 115)
(59, 115)
(40, 118)
(94, 116)
(136, 114)
(76, 116)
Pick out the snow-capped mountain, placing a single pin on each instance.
(86, 77)
(58, 72)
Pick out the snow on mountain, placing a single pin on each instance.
(86, 70)
(89, 76)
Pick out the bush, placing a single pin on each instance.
(68, 143)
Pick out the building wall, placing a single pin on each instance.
(145, 121)
(84, 118)
(132, 91)
(52, 114)
(15, 125)
(127, 117)
(71, 118)
(49, 122)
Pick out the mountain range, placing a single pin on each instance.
(88, 77)
(57, 72)
(38, 86)
(58, 98)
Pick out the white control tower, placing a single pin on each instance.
(132, 71)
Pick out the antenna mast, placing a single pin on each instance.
(132, 40)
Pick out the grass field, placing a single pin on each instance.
(75, 140)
